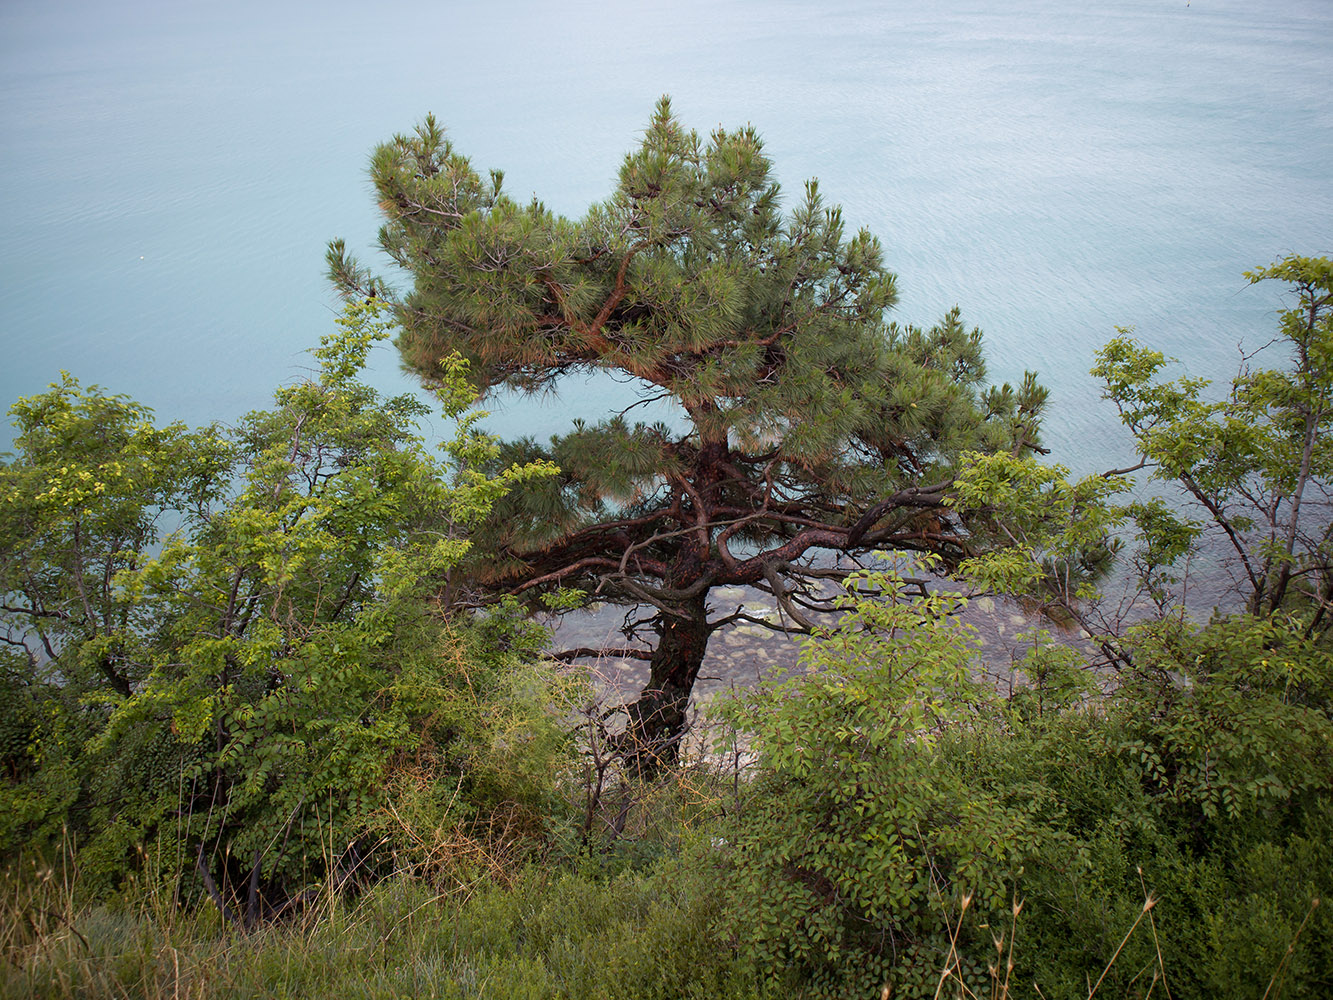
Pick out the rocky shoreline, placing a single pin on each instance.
(741, 655)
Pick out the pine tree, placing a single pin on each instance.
(809, 424)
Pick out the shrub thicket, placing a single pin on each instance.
(233, 708)
(277, 752)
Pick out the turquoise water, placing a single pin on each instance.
(171, 172)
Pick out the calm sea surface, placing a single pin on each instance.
(171, 171)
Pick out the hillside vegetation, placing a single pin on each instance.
(265, 729)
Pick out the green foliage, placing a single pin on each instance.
(1053, 677)
(1052, 538)
(82, 504)
(1202, 773)
(898, 809)
(805, 419)
(1258, 462)
(868, 820)
(1241, 723)
(239, 667)
(1206, 786)
(247, 690)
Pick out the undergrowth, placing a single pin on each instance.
(566, 934)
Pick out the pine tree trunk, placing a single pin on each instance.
(657, 718)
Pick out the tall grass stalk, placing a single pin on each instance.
(1281, 973)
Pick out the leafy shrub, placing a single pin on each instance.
(233, 707)
(861, 830)
(889, 788)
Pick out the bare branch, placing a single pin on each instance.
(601, 652)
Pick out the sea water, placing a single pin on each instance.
(170, 172)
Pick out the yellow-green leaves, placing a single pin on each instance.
(1257, 457)
(1047, 532)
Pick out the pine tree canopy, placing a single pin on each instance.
(809, 423)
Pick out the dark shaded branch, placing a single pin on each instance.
(347, 596)
(741, 615)
(1126, 471)
(622, 652)
(211, 888)
(785, 603)
(252, 896)
(589, 563)
(917, 496)
(755, 568)
(35, 612)
(1222, 521)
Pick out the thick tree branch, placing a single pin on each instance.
(600, 652)
(916, 496)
